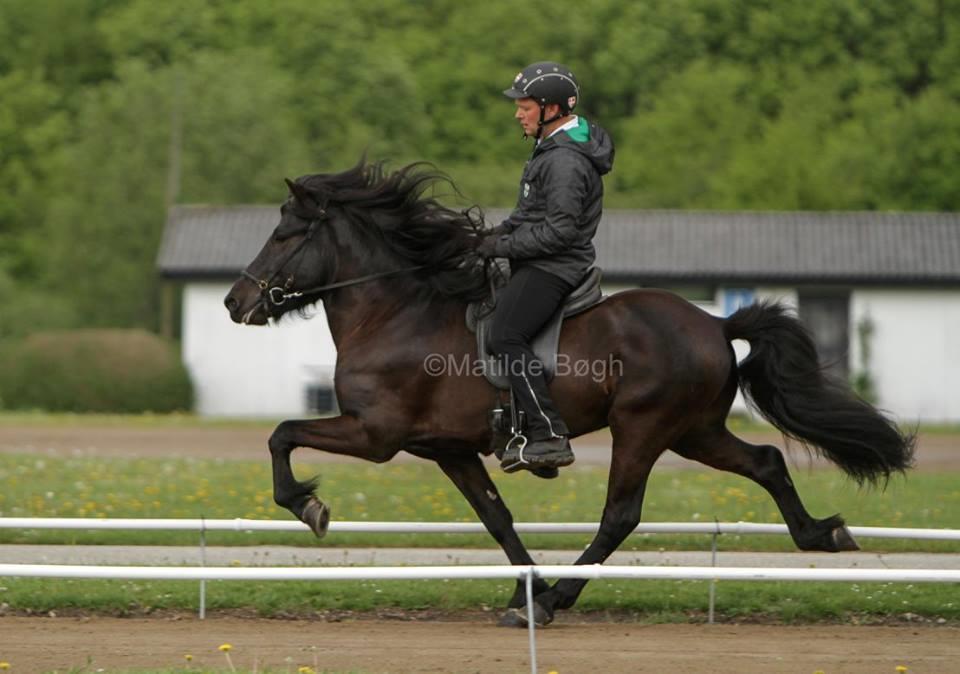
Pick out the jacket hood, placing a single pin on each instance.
(590, 140)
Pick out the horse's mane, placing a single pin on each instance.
(412, 224)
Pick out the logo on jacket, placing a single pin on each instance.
(526, 190)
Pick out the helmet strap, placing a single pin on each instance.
(543, 122)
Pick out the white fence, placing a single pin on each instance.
(240, 524)
(527, 573)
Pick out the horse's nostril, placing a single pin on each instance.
(231, 303)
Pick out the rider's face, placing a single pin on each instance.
(528, 114)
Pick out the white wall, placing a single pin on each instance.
(243, 370)
(915, 361)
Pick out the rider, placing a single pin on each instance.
(548, 240)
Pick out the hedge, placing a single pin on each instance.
(119, 371)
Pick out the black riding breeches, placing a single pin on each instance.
(528, 301)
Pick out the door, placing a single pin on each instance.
(827, 315)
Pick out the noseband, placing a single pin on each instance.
(277, 295)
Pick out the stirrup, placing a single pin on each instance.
(518, 441)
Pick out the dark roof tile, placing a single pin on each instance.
(656, 246)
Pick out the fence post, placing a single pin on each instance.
(531, 624)
(713, 562)
(203, 562)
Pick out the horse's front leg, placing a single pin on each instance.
(473, 481)
(340, 435)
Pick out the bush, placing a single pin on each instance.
(121, 371)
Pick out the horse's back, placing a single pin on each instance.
(661, 337)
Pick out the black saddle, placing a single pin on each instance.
(480, 314)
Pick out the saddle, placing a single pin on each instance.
(480, 315)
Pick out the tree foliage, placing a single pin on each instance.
(747, 104)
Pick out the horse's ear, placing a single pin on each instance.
(298, 192)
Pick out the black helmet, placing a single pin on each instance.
(546, 82)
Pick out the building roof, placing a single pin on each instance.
(648, 246)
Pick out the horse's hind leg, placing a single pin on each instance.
(473, 481)
(718, 447)
(637, 443)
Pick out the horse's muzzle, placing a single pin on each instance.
(247, 311)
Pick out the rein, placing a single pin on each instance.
(277, 295)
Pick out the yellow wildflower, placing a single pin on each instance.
(901, 669)
(4, 665)
(225, 647)
(188, 657)
(306, 670)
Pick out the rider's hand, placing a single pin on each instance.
(487, 247)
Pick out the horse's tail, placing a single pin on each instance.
(784, 381)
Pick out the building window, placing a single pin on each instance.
(737, 298)
(696, 294)
(322, 400)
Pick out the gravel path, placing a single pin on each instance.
(306, 556)
(249, 443)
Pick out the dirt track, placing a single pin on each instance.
(250, 443)
(42, 644)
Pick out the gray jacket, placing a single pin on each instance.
(559, 205)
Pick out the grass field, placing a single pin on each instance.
(111, 487)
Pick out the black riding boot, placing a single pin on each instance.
(531, 297)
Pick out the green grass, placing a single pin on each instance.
(32, 486)
(109, 487)
(650, 601)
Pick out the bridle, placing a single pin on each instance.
(277, 295)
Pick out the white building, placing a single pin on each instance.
(879, 291)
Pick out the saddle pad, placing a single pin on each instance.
(544, 345)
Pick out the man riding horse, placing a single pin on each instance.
(548, 240)
(387, 261)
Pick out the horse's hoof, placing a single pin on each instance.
(316, 515)
(514, 617)
(843, 540)
(517, 617)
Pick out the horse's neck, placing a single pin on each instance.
(376, 311)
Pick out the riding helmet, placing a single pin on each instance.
(546, 82)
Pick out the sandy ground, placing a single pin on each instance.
(250, 443)
(474, 646)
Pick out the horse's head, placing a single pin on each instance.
(382, 228)
(288, 262)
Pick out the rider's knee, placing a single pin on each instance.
(504, 342)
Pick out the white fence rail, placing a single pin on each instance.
(526, 573)
(240, 524)
(591, 571)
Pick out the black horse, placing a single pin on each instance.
(395, 270)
